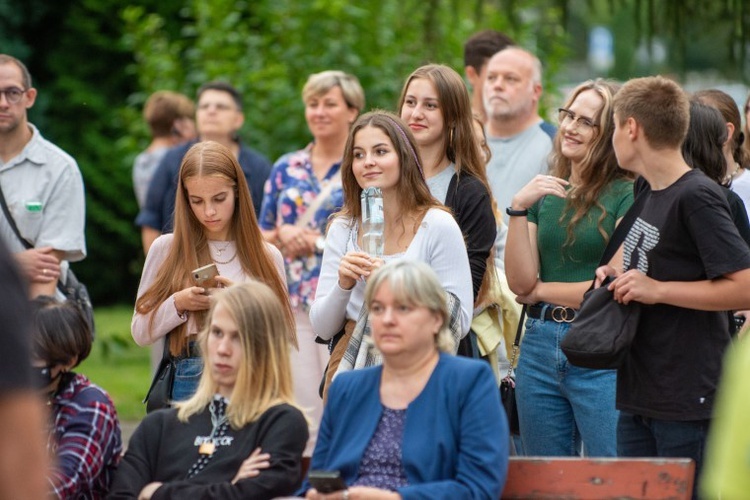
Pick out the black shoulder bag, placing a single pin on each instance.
(603, 329)
(74, 290)
(159, 395)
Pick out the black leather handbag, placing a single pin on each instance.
(159, 395)
(603, 329)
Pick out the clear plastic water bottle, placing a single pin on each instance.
(373, 221)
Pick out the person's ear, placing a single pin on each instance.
(472, 76)
(70, 364)
(239, 121)
(537, 91)
(730, 132)
(30, 97)
(633, 128)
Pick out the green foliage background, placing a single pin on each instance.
(96, 61)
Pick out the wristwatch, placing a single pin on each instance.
(320, 244)
(517, 213)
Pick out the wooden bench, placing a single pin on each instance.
(599, 478)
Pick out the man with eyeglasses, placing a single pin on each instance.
(218, 118)
(42, 187)
(520, 140)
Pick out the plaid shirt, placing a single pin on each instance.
(85, 439)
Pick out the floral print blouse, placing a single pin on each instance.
(289, 191)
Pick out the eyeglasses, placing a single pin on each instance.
(219, 106)
(566, 117)
(13, 94)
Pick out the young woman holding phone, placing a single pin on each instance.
(214, 223)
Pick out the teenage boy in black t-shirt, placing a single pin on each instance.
(685, 262)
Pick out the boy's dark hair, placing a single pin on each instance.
(223, 87)
(482, 45)
(59, 331)
(660, 107)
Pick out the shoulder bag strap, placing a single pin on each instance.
(26, 243)
(621, 231)
(12, 222)
(517, 341)
(318, 201)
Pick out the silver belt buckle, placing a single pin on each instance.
(562, 314)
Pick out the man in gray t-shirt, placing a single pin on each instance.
(519, 139)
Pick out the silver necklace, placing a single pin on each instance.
(220, 250)
(226, 261)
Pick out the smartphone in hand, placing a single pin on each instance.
(326, 481)
(204, 276)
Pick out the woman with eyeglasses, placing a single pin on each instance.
(559, 227)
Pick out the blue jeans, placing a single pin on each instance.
(639, 436)
(560, 404)
(187, 375)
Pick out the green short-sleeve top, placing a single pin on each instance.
(577, 260)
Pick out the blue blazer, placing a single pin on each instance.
(455, 436)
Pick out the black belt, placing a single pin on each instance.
(558, 314)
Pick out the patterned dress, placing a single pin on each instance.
(289, 191)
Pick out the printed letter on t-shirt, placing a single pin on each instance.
(642, 238)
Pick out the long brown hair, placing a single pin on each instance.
(412, 192)
(598, 168)
(459, 140)
(189, 248)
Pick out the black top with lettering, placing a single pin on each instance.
(684, 233)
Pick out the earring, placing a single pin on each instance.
(450, 138)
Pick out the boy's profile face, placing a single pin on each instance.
(621, 143)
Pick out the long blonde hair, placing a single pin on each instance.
(265, 377)
(190, 250)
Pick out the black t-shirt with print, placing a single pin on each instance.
(683, 233)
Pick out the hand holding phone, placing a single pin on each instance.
(204, 276)
(326, 481)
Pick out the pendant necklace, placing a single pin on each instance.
(219, 422)
(221, 250)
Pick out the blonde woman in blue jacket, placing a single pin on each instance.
(425, 424)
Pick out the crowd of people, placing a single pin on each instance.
(298, 364)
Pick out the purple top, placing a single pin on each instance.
(381, 465)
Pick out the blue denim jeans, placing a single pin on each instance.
(187, 375)
(560, 404)
(639, 436)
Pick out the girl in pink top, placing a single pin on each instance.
(214, 222)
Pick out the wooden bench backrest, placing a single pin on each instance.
(599, 478)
